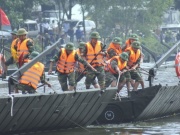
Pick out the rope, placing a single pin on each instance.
(118, 80)
(12, 103)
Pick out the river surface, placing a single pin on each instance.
(165, 126)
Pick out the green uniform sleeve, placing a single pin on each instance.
(30, 46)
(138, 60)
(103, 49)
(56, 57)
(43, 78)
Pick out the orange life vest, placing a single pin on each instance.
(22, 48)
(80, 65)
(32, 76)
(133, 56)
(66, 63)
(117, 50)
(91, 54)
(120, 65)
(128, 44)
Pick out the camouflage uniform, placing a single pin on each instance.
(78, 74)
(30, 46)
(134, 74)
(113, 77)
(62, 77)
(91, 76)
(100, 74)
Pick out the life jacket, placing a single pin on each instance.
(66, 63)
(127, 43)
(80, 65)
(91, 54)
(32, 76)
(117, 50)
(120, 65)
(133, 56)
(22, 48)
(13, 50)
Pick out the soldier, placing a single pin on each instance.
(31, 78)
(66, 59)
(116, 65)
(80, 71)
(133, 63)
(94, 53)
(13, 57)
(25, 46)
(114, 48)
(133, 37)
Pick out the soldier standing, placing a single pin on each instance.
(80, 71)
(134, 62)
(94, 52)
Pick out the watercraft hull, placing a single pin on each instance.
(152, 102)
(41, 112)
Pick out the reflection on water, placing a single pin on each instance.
(163, 126)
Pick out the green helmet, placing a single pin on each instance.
(33, 55)
(136, 45)
(133, 36)
(14, 32)
(21, 31)
(69, 46)
(95, 35)
(117, 40)
(81, 45)
(124, 56)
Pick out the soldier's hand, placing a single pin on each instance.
(102, 53)
(49, 72)
(49, 85)
(133, 68)
(119, 72)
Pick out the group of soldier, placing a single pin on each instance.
(22, 51)
(116, 66)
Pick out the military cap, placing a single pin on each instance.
(69, 46)
(21, 31)
(124, 56)
(81, 45)
(117, 40)
(95, 35)
(14, 32)
(136, 45)
(133, 36)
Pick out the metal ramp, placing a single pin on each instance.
(166, 102)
